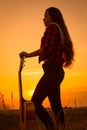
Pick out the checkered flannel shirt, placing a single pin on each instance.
(51, 44)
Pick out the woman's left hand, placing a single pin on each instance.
(23, 53)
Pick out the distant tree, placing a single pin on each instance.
(2, 101)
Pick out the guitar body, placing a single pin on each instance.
(26, 109)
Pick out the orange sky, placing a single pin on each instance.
(21, 28)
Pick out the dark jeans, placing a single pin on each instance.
(49, 85)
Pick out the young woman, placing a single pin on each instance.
(56, 51)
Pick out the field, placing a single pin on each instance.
(75, 119)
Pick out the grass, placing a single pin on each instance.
(75, 119)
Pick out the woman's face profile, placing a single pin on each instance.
(47, 18)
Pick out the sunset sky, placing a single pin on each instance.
(21, 28)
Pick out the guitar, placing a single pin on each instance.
(27, 109)
(20, 88)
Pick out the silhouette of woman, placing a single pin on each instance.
(56, 51)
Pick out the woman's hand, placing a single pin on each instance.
(32, 54)
(23, 54)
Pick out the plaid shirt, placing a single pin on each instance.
(51, 44)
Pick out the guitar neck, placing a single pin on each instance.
(20, 77)
(20, 85)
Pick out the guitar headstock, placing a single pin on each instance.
(21, 63)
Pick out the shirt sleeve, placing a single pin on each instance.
(48, 42)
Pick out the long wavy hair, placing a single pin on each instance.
(68, 52)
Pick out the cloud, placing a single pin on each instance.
(33, 73)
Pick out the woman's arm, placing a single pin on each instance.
(32, 54)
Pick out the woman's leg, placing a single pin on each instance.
(49, 86)
(39, 95)
(55, 103)
(54, 95)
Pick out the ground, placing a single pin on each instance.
(75, 119)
